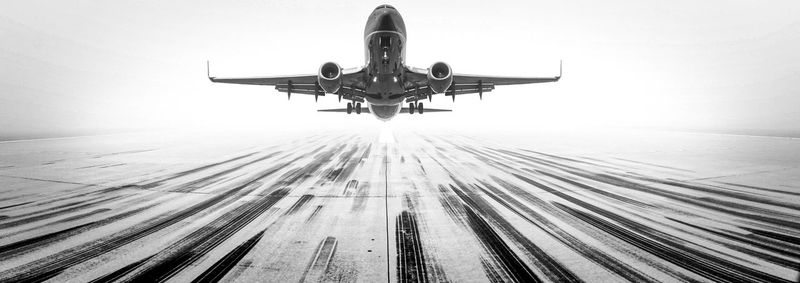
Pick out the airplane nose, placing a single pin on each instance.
(385, 6)
(387, 21)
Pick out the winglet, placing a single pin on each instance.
(560, 69)
(208, 71)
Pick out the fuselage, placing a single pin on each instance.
(384, 45)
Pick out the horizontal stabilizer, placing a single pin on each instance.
(366, 110)
(426, 110)
(343, 110)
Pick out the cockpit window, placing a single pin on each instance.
(385, 41)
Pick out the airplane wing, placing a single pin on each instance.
(352, 85)
(466, 84)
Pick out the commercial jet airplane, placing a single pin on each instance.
(385, 82)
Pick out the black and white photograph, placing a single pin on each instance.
(411, 141)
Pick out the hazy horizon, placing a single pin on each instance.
(89, 67)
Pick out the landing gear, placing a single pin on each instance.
(415, 106)
(350, 108)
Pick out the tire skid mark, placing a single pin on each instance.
(160, 180)
(360, 198)
(511, 264)
(661, 244)
(675, 252)
(726, 207)
(654, 165)
(217, 271)
(772, 237)
(755, 243)
(554, 270)
(81, 216)
(595, 255)
(728, 193)
(411, 266)
(535, 160)
(365, 155)
(114, 276)
(492, 273)
(490, 160)
(586, 228)
(173, 259)
(622, 199)
(76, 255)
(343, 168)
(301, 201)
(210, 179)
(67, 195)
(59, 212)
(321, 261)
(503, 264)
(761, 189)
(64, 206)
(300, 174)
(15, 248)
(746, 213)
(314, 213)
(188, 250)
(15, 205)
(747, 237)
(706, 265)
(350, 188)
(419, 162)
(122, 152)
(709, 203)
(72, 195)
(62, 221)
(29, 245)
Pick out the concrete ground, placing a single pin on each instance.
(403, 206)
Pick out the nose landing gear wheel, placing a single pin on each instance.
(358, 108)
(349, 108)
(411, 108)
(419, 108)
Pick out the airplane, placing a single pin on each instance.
(385, 82)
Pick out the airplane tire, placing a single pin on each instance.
(349, 108)
(411, 108)
(420, 108)
(358, 108)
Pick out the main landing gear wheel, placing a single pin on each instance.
(411, 108)
(349, 108)
(419, 108)
(358, 108)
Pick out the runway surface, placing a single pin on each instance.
(400, 206)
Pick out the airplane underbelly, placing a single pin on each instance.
(390, 91)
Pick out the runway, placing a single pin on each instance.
(399, 206)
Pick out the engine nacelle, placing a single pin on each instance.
(440, 77)
(330, 77)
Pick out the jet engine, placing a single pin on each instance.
(330, 77)
(440, 77)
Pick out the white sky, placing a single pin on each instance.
(73, 67)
